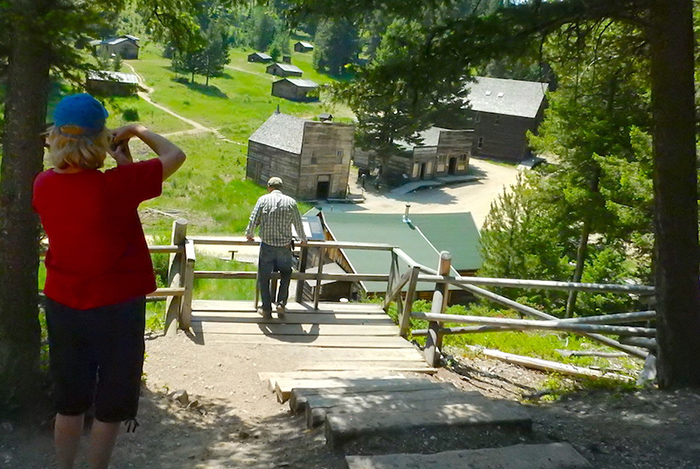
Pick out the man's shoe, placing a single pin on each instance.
(281, 309)
(265, 313)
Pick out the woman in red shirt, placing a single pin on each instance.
(98, 270)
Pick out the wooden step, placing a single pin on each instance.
(276, 327)
(336, 341)
(318, 407)
(293, 318)
(544, 456)
(479, 412)
(284, 386)
(357, 388)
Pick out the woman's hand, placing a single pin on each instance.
(121, 153)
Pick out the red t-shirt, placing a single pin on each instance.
(97, 254)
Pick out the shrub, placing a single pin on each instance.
(131, 114)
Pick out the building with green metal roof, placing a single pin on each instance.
(421, 236)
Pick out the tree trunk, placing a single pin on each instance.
(25, 117)
(677, 255)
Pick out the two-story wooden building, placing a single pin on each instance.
(311, 157)
(503, 111)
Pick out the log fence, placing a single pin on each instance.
(402, 280)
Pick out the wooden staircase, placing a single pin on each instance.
(365, 384)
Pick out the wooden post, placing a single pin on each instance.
(405, 318)
(188, 283)
(173, 305)
(433, 344)
(317, 291)
(303, 261)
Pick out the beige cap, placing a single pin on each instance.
(274, 182)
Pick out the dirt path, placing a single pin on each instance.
(196, 126)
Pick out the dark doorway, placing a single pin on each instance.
(422, 171)
(452, 168)
(323, 187)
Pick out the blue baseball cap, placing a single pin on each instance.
(81, 110)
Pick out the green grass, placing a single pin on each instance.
(218, 289)
(237, 103)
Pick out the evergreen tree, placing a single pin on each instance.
(336, 45)
(454, 47)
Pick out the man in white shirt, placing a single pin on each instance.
(275, 213)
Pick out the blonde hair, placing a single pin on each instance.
(69, 146)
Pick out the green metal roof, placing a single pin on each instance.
(422, 239)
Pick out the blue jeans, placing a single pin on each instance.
(274, 259)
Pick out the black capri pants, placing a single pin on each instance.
(96, 357)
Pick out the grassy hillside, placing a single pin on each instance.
(210, 190)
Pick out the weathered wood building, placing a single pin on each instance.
(108, 83)
(311, 157)
(295, 89)
(303, 46)
(126, 45)
(503, 111)
(260, 57)
(284, 70)
(442, 152)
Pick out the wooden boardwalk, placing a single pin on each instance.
(364, 383)
(341, 336)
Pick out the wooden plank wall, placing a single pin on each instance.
(504, 136)
(320, 157)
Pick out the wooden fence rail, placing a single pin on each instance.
(402, 278)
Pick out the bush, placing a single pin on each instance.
(130, 114)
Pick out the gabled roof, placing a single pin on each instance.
(119, 40)
(133, 38)
(287, 67)
(430, 136)
(262, 55)
(108, 75)
(308, 45)
(422, 237)
(507, 97)
(300, 82)
(281, 131)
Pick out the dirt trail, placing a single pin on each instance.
(197, 127)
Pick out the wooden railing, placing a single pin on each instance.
(591, 327)
(401, 288)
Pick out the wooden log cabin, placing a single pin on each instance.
(502, 112)
(311, 157)
(295, 89)
(126, 45)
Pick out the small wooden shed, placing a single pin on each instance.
(127, 46)
(295, 89)
(108, 83)
(284, 70)
(303, 46)
(259, 57)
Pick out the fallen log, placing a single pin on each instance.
(547, 365)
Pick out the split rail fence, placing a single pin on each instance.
(402, 279)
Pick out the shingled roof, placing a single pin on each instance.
(507, 97)
(281, 131)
